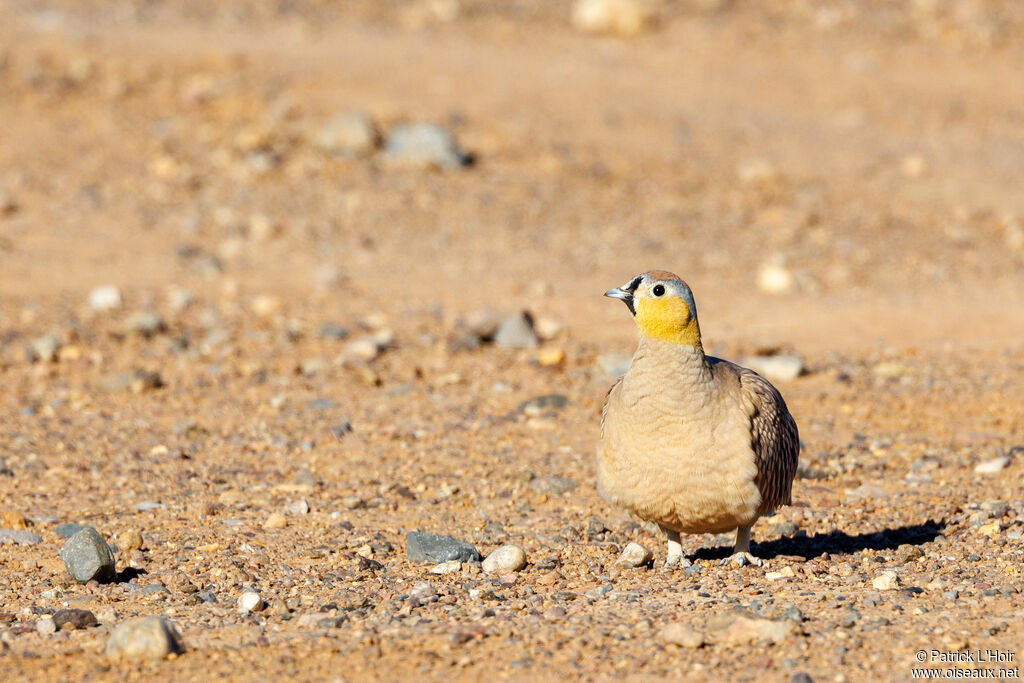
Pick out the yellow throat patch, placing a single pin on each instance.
(668, 319)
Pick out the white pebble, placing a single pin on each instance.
(507, 558)
(249, 601)
(635, 555)
(105, 298)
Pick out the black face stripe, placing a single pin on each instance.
(631, 287)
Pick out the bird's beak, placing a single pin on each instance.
(625, 295)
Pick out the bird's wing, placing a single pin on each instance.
(774, 439)
(607, 399)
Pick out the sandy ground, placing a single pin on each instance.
(871, 153)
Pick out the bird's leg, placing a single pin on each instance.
(741, 552)
(675, 549)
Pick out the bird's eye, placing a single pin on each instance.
(658, 290)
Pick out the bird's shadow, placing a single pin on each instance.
(834, 543)
(129, 573)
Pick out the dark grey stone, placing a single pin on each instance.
(424, 547)
(87, 557)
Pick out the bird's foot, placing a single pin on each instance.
(676, 561)
(741, 559)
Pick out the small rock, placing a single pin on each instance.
(482, 323)
(297, 507)
(46, 626)
(13, 520)
(553, 484)
(550, 357)
(774, 278)
(504, 559)
(349, 134)
(992, 466)
(275, 521)
(516, 332)
(250, 601)
(322, 404)
(801, 677)
(147, 505)
(129, 540)
(865, 491)
(424, 145)
(547, 328)
(446, 567)
(425, 547)
(782, 368)
(682, 635)
(614, 17)
(73, 619)
(539, 404)
(886, 581)
(146, 324)
(908, 553)
(43, 349)
(87, 557)
(849, 618)
(635, 555)
(364, 349)
(750, 629)
(793, 613)
(105, 298)
(352, 502)
(144, 638)
(333, 331)
(19, 537)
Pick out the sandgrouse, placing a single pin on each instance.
(693, 443)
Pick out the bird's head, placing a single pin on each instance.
(662, 306)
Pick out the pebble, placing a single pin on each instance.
(275, 521)
(145, 324)
(46, 626)
(553, 484)
(250, 601)
(105, 298)
(424, 145)
(446, 567)
(682, 635)
(886, 581)
(635, 555)
(516, 332)
(43, 349)
(750, 629)
(782, 368)
(87, 557)
(426, 547)
(774, 278)
(73, 619)
(333, 331)
(538, 404)
(908, 553)
(992, 466)
(144, 638)
(147, 505)
(504, 559)
(613, 17)
(19, 537)
(129, 540)
(350, 134)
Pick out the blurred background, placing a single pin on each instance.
(822, 172)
